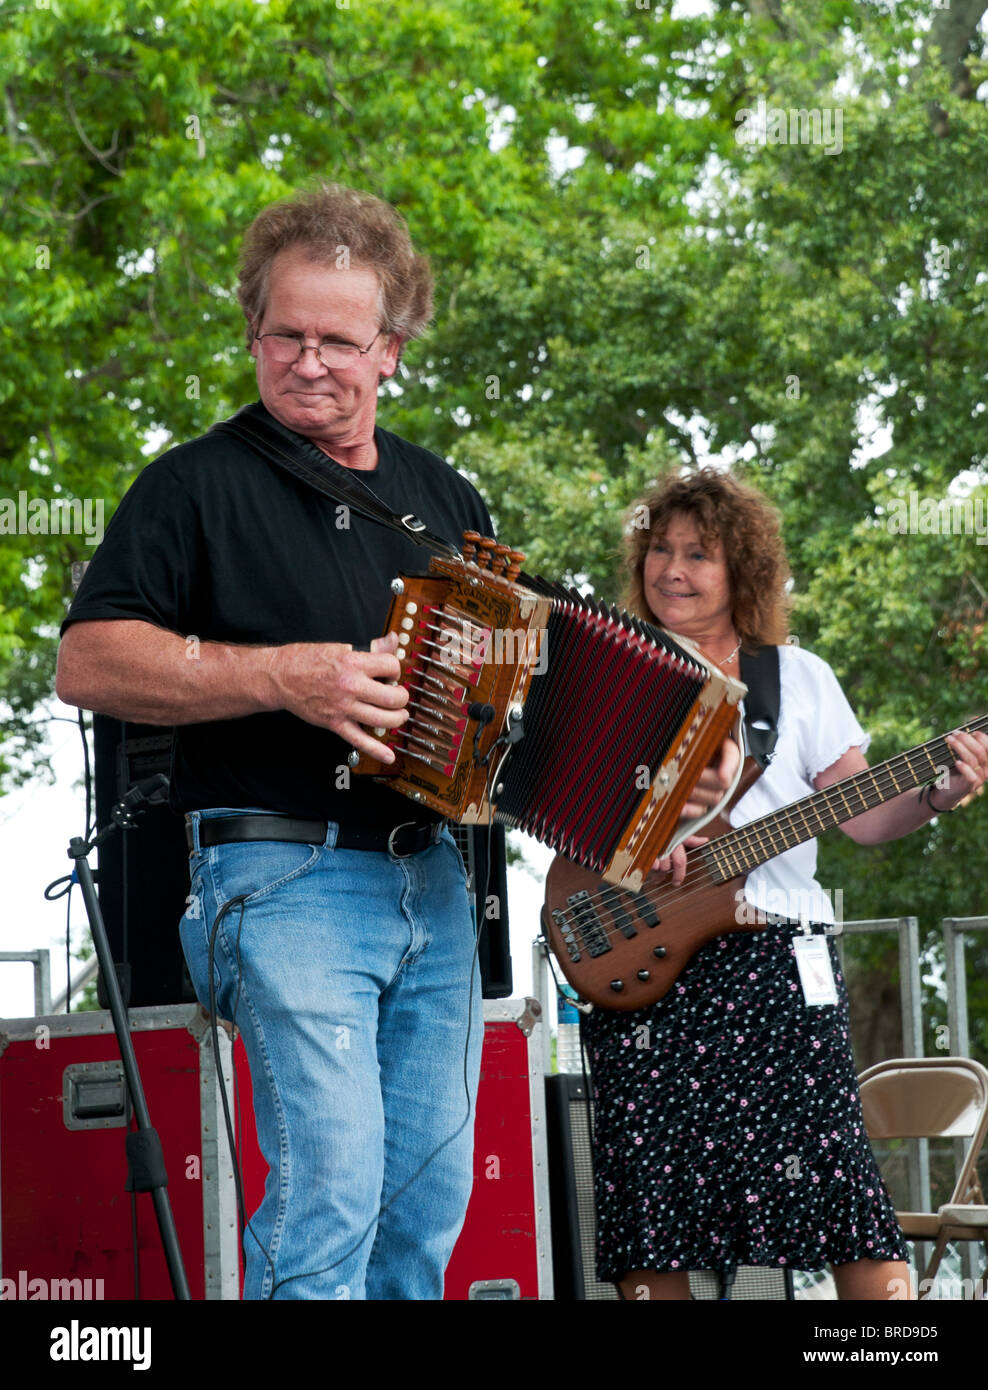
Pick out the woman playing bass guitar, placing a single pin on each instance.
(728, 1126)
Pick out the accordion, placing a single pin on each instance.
(549, 712)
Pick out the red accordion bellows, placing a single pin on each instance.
(597, 725)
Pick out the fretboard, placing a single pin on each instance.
(742, 850)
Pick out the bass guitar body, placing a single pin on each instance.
(623, 950)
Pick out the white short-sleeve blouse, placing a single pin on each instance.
(816, 726)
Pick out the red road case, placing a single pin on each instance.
(504, 1250)
(63, 1209)
(64, 1214)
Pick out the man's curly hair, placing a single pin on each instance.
(744, 522)
(326, 221)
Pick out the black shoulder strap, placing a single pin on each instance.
(300, 457)
(760, 673)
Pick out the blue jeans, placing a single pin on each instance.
(348, 973)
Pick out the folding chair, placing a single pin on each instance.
(934, 1098)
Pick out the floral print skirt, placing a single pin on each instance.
(727, 1123)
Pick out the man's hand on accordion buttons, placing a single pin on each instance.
(331, 685)
(708, 791)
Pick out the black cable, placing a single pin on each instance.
(124, 915)
(68, 948)
(65, 882)
(587, 1095)
(87, 776)
(242, 1221)
(64, 879)
(134, 1251)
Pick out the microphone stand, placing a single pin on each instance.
(146, 1170)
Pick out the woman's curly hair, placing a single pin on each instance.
(744, 522)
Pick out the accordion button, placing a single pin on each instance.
(617, 986)
(659, 951)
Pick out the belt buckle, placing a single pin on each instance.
(391, 841)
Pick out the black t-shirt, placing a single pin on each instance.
(214, 542)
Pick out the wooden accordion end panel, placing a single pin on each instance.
(469, 638)
(575, 722)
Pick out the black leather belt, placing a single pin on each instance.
(403, 840)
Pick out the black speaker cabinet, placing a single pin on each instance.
(486, 863)
(144, 875)
(144, 872)
(573, 1220)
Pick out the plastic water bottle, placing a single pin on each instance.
(567, 1033)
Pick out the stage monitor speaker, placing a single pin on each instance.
(573, 1216)
(144, 875)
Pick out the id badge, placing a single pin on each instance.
(815, 971)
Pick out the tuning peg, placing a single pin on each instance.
(502, 554)
(517, 559)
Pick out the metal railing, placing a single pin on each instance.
(41, 960)
(910, 988)
(954, 930)
(44, 1004)
(958, 1035)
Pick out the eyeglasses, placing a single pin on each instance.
(290, 347)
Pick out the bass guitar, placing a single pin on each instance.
(623, 950)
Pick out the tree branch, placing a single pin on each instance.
(102, 156)
(953, 33)
(112, 368)
(770, 10)
(24, 137)
(51, 444)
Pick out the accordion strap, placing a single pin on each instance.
(300, 457)
(760, 673)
